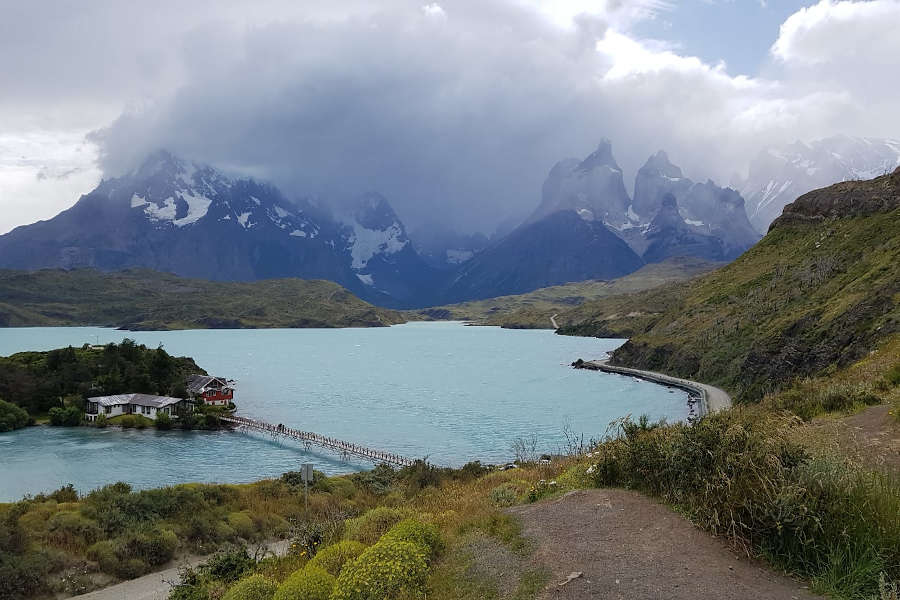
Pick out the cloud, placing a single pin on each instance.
(454, 110)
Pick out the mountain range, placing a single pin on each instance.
(181, 217)
(780, 175)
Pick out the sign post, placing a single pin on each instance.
(307, 474)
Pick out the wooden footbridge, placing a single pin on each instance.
(346, 450)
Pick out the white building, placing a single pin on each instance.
(134, 404)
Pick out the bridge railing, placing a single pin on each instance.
(321, 440)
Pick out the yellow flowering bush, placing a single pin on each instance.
(412, 530)
(390, 569)
(333, 558)
(308, 583)
(370, 526)
(255, 587)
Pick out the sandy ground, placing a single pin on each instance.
(627, 546)
(156, 586)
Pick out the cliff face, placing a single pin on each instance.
(847, 199)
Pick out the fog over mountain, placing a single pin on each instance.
(455, 111)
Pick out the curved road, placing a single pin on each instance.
(712, 399)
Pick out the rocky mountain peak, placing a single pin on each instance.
(601, 157)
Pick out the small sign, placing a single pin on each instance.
(307, 472)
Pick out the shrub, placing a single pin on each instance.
(131, 568)
(309, 583)
(12, 417)
(25, 575)
(242, 524)
(389, 569)
(229, 564)
(163, 422)
(127, 422)
(505, 494)
(68, 416)
(369, 527)
(416, 532)
(71, 530)
(255, 587)
(101, 421)
(104, 554)
(333, 558)
(155, 547)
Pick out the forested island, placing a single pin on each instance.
(53, 386)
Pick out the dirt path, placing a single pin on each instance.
(156, 586)
(629, 546)
(872, 436)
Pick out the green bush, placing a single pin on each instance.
(255, 587)
(505, 494)
(131, 568)
(25, 575)
(163, 422)
(155, 546)
(12, 417)
(334, 557)
(389, 569)
(104, 554)
(68, 416)
(242, 525)
(309, 583)
(229, 564)
(369, 527)
(416, 532)
(101, 421)
(72, 530)
(127, 422)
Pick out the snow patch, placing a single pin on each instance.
(694, 223)
(456, 257)
(632, 215)
(137, 201)
(166, 212)
(366, 279)
(298, 233)
(366, 243)
(243, 219)
(280, 212)
(586, 214)
(198, 206)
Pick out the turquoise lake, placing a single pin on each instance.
(442, 390)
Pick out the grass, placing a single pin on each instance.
(142, 299)
(534, 309)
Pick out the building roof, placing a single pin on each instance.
(139, 399)
(196, 383)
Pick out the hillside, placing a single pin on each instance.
(140, 299)
(820, 289)
(534, 309)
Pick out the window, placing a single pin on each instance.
(107, 409)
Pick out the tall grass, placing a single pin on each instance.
(738, 474)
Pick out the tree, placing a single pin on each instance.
(12, 417)
(163, 422)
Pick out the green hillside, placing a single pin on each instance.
(142, 299)
(818, 292)
(534, 309)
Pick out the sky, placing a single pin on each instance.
(455, 110)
